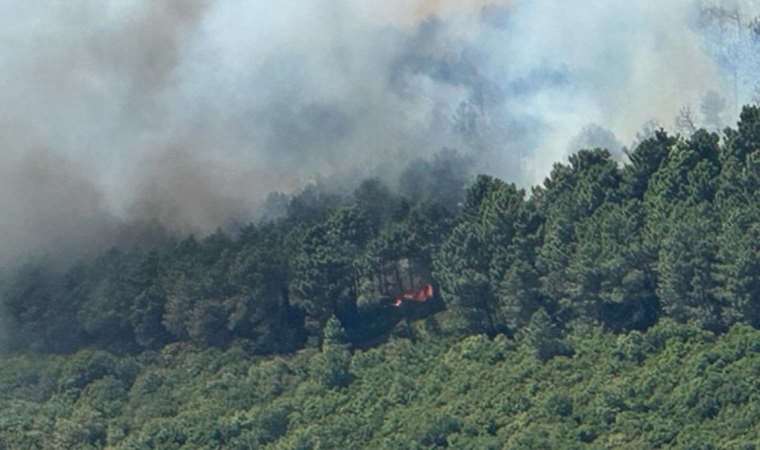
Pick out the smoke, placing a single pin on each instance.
(412, 12)
(188, 113)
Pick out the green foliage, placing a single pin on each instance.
(686, 269)
(334, 335)
(673, 386)
(330, 367)
(609, 277)
(611, 308)
(738, 265)
(325, 281)
(483, 267)
(672, 233)
(543, 337)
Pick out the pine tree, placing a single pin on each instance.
(738, 265)
(325, 279)
(330, 367)
(518, 292)
(461, 268)
(686, 265)
(543, 337)
(610, 274)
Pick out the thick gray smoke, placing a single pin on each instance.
(188, 112)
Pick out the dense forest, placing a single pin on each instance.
(612, 306)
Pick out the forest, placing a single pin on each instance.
(616, 305)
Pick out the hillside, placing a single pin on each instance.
(671, 387)
(614, 306)
(404, 224)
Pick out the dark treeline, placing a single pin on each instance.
(674, 232)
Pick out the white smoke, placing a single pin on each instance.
(190, 112)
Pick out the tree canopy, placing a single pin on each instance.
(634, 267)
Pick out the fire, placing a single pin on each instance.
(421, 295)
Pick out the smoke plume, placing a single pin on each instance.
(188, 113)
